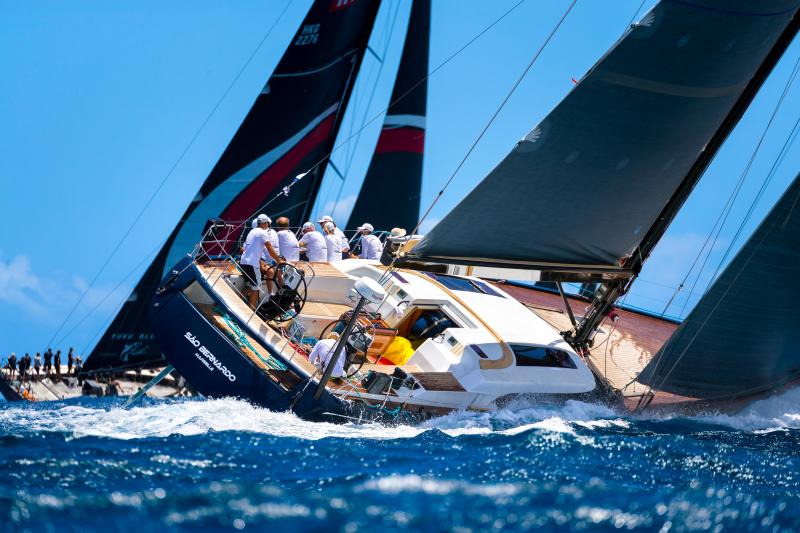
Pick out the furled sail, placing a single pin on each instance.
(290, 128)
(390, 193)
(583, 188)
(741, 338)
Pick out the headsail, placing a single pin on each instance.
(391, 191)
(291, 127)
(582, 189)
(741, 337)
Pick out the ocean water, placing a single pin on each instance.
(224, 465)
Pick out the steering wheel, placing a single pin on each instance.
(296, 297)
(436, 323)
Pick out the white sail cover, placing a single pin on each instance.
(585, 185)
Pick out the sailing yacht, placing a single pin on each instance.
(596, 182)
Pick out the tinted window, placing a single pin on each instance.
(542, 356)
(454, 283)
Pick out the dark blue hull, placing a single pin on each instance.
(217, 368)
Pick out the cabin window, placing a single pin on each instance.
(542, 356)
(455, 283)
(429, 323)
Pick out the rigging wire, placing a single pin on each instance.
(728, 207)
(399, 98)
(169, 173)
(496, 113)
(350, 153)
(148, 257)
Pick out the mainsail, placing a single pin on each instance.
(740, 338)
(585, 186)
(390, 193)
(290, 128)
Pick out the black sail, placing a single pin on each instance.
(390, 193)
(584, 187)
(290, 128)
(741, 338)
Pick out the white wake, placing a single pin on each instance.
(198, 417)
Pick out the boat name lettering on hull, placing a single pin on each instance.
(208, 359)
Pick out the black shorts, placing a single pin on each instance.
(251, 278)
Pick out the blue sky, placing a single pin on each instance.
(99, 100)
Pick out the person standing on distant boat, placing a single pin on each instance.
(321, 355)
(313, 243)
(79, 365)
(12, 365)
(344, 244)
(333, 243)
(70, 360)
(371, 247)
(57, 363)
(48, 362)
(257, 240)
(37, 364)
(287, 241)
(28, 363)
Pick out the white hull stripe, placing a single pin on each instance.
(416, 121)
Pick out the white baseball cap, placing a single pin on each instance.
(366, 226)
(263, 219)
(326, 218)
(329, 226)
(254, 224)
(308, 225)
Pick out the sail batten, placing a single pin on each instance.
(290, 128)
(586, 186)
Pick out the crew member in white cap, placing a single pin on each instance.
(287, 241)
(333, 243)
(345, 244)
(313, 243)
(257, 240)
(371, 247)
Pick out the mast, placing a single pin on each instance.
(390, 193)
(290, 128)
(611, 291)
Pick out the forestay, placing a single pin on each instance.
(584, 186)
(741, 338)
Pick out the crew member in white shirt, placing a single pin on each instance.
(371, 247)
(345, 244)
(287, 241)
(323, 351)
(257, 240)
(313, 243)
(333, 243)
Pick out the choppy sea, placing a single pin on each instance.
(225, 465)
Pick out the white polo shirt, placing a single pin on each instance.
(371, 247)
(254, 246)
(287, 244)
(316, 249)
(322, 353)
(345, 245)
(334, 246)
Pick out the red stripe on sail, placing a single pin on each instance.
(411, 140)
(256, 194)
